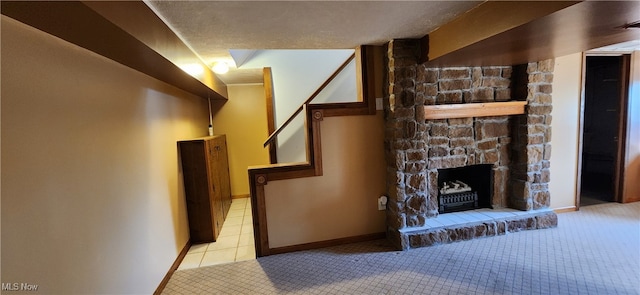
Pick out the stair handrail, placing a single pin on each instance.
(311, 98)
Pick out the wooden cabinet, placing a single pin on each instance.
(205, 168)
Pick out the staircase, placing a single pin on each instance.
(261, 176)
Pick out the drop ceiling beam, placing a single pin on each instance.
(486, 20)
(126, 32)
(501, 33)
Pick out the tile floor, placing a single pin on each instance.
(235, 242)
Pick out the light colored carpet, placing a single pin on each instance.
(593, 251)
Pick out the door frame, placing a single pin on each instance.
(622, 146)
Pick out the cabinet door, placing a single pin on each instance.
(223, 175)
(216, 196)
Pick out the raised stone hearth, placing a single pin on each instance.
(479, 223)
(515, 147)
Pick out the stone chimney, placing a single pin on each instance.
(517, 147)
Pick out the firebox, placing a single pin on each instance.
(465, 188)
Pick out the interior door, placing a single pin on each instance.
(604, 128)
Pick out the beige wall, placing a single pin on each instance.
(243, 118)
(92, 197)
(342, 202)
(565, 124)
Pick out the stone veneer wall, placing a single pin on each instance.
(516, 146)
(532, 137)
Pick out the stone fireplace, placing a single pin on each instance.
(514, 149)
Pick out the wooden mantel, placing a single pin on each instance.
(465, 110)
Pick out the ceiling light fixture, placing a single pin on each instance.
(193, 69)
(220, 67)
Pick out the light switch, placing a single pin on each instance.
(379, 106)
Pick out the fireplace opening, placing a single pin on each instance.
(465, 188)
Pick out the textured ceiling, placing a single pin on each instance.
(211, 28)
(624, 47)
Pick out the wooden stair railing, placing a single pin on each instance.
(259, 176)
(308, 101)
(271, 124)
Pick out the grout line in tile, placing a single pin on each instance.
(245, 216)
(201, 258)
